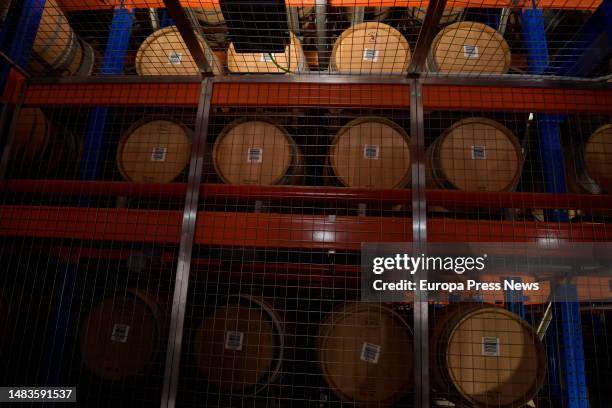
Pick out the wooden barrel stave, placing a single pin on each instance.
(57, 48)
(122, 336)
(598, 157)
(156, 150)
(165, 53)
(257, 152)
(475, 154)
(365, 354)
(469, 47)
(240, 345)
(480, 378)
(389, 145)
(370, 48)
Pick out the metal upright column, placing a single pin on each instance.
(567, 343)
(112, 64)
(514, 299)
(183, 268)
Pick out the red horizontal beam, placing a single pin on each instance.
(261, 230)
(311, 95)
(74, 5)
(114, 94)
(449, 198)
(499, 98)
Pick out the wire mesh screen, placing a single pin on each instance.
(91, 208)
(272, 315)
(298, 37)
(518, 177)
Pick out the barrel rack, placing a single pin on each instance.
(66, 232)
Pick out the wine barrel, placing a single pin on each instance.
(475, 154)
(371, 48)
(598, 157)
(257, 152)
(449, 15)
(365, 354)
(165, 53)
(57, 48)
(292, 60)
(32, 134)
(240, 345)
(210, 16)
(122, 336)
(371, 152)
(486, 356)
(469, 48)
(154, 151)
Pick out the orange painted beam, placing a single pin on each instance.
(125, 94)
(496, 98)
(75, 5)
(311, 95)
(272, 230)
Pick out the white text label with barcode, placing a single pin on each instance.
(471, 51)
(371, 152)
(479, 153)
(120, 333)
(255, 155)
(370, 54)
(175, 58)
(490, 346)
(233, 340)
(158, 154)
(370, 352)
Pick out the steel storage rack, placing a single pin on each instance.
(184, 205)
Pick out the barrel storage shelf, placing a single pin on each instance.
(139, 286)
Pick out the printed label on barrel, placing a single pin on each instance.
(490, 346)
(371, 152)
(233, 340)
(158, 154)
(120, 333)
(255, 155)
(370, 54)
(370, 353)
(470, 51)
(266, 57)
(175, 58)
(479, 153)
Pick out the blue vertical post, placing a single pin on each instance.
(571, 347)
(19, 43)
(112, 64)
(62, 309)
(565, 338)
(514, 299)
(164, 19)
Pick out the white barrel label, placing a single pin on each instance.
(370, 54)
(371, 152)
(479, 153)
(175, 58)
(490, 346)
(255, 155)
(158, 154)
(471, 51)
(370, 352)
(233, 340)
(120, 333)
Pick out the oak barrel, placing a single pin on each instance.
(598, 157)
(475, 154)
(165, 53)
(291, 60)
(122, 336)
(371, 152)
(240, 345)
(154, 151)
(469, 48)
(257, 152)
(486, 356)
(365, 354)
(57, 48)
(370, 48)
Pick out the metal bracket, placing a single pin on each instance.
(428, 32)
